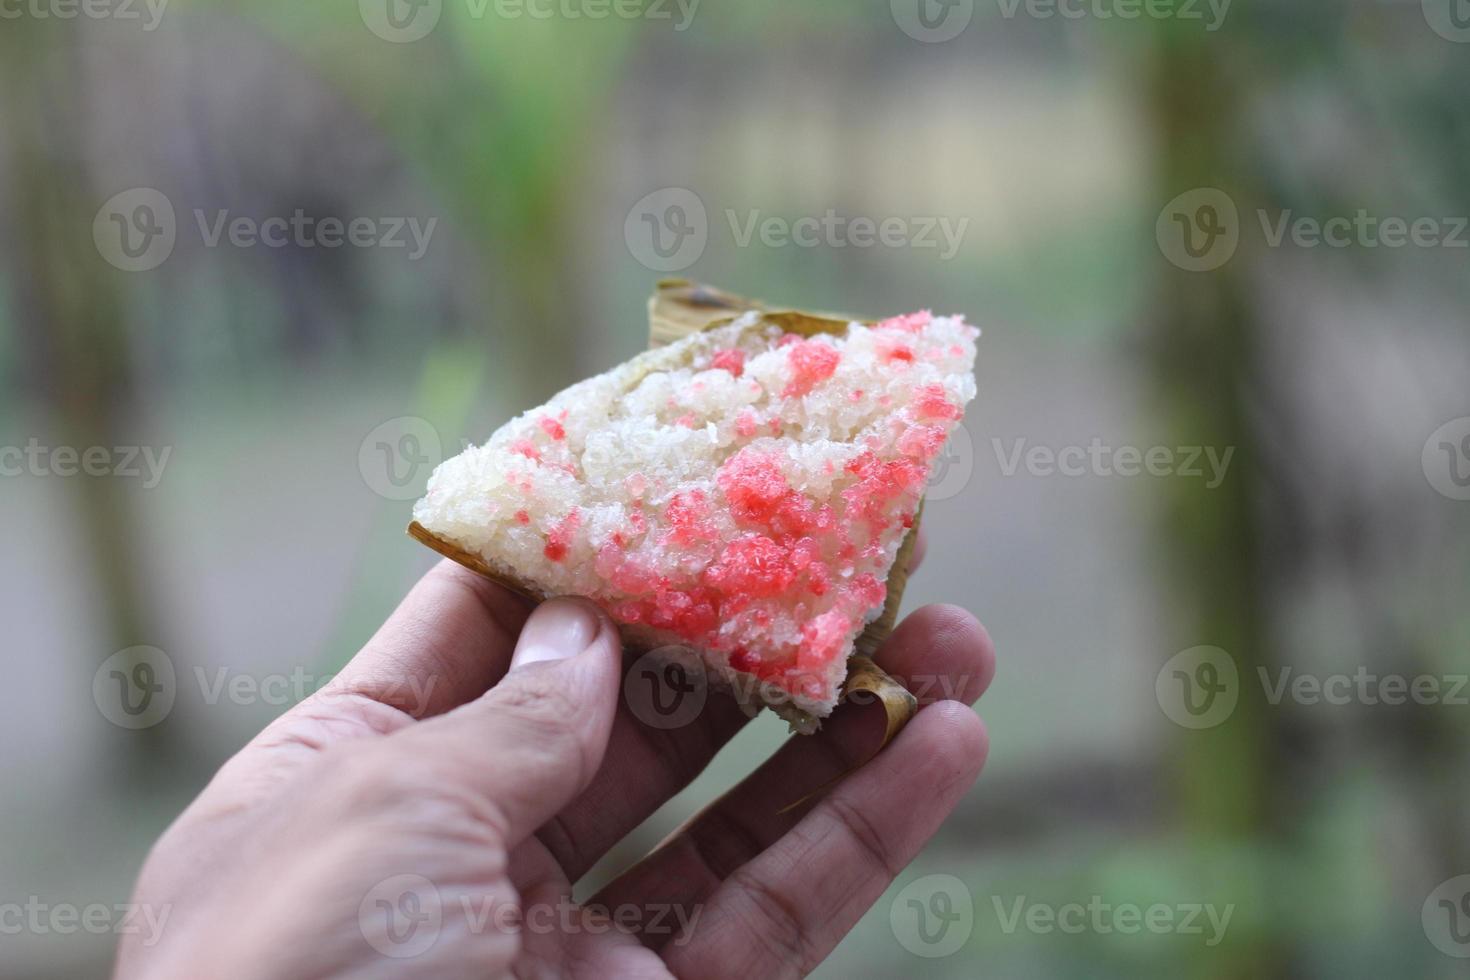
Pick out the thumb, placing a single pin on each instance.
(530, 744)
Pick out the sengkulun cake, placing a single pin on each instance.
(742, 493)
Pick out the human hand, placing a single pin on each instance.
(428, 812)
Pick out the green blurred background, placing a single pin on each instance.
(303, 393)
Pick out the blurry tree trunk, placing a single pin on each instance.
(1228, 779)
(72, 333)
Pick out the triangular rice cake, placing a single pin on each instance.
(741, 494)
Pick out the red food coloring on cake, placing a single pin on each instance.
(787, 339)
(526, 448)
(909, 322)
(890, 352)
(758, 496)
(688, 516)
(636, 484)
(930, 402)
(745, 423)
(880, 483)
(687, 420)
(922, 441)
(552, 428)
(522, 517)
(857, 395)
(732, 360)
(822, 639)
(811, 362)
(744, 661)
(560, 537)
(774, 425)
(867, 591)
(754, 567)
